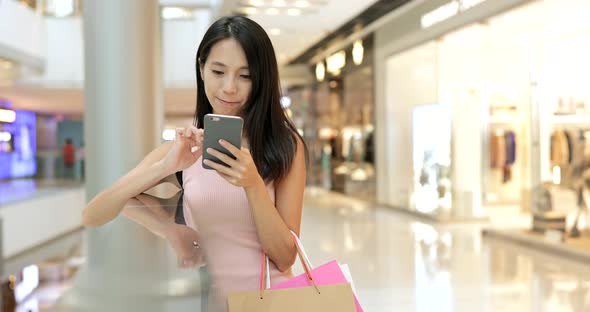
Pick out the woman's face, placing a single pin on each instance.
(226, 77)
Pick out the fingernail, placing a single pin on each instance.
(221, 141)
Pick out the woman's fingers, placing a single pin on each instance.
(228, 178)
(231, 148)
(220, 168)
(223, 157)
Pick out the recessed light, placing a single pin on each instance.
(256, 3)
(279, 3)
(175, 13)
(302, 3)
(272, 11)
(249, 10)
(294, 12)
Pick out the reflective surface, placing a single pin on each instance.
(402, 264)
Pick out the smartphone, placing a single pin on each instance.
(217, 127)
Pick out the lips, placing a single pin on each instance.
(228, 103)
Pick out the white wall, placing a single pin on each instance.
(22, 29)
(180, 39)
(31, 222)
(410, 80)
(65, 50)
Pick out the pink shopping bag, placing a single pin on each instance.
(326, 274)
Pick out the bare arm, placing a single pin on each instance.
(157, 166)
(275, 221)
(107, 204)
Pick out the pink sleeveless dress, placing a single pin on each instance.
(221, 214)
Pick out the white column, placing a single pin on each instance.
(128, 268)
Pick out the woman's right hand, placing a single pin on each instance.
(186, 149)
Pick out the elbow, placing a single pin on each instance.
(288, 262)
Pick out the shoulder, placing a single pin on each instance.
(299, 143)
(300, 151)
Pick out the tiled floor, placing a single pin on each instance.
(402, 264)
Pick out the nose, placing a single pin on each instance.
(229, 85)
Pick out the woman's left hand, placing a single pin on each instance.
(241, 172)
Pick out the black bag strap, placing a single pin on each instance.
(179, 215)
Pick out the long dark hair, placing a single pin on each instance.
(271, 135)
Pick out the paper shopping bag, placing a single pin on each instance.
(331, 298)
(324, 288)
(326, 274)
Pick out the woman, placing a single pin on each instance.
(251, 205)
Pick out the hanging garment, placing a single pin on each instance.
(497, 151)
(510, 139)
(559, 149)
(569, 142)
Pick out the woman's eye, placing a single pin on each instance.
(245, 76)
(216, 72)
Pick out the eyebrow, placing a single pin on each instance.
(223, 65)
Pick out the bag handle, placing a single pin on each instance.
(265, 270)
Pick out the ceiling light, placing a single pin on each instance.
(294, 12)
(7, 115)
(336, 62)
(272, 11)
(320, 71)
(285, 101)
(175, 13)
(357, 52)
(64, 8)
(249, 10)
(256, 3)
(5, 136)
(275, 31)
(279, 3)
(302, 4)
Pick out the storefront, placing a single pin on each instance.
(484, 109)
(336, 116)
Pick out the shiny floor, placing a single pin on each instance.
(400, 263)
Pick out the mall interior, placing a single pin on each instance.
(448, 145)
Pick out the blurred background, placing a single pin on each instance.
(449, 146)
